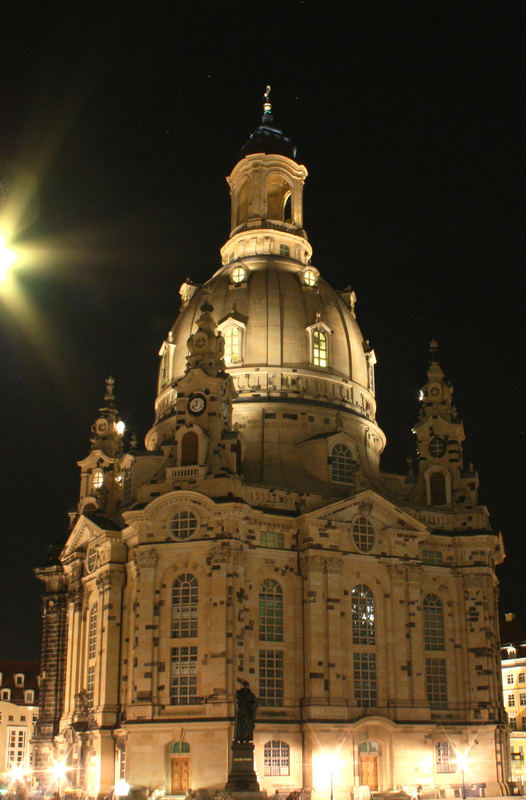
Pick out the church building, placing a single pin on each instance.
(255, 538)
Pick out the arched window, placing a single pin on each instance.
(189, 449)
(242, 203)
(319, 348)
(363, 534)
(437, 489)
(362, 603)
(341, 463)
(184, 607)
(276, 758)
(287, 208)
(232, 336)
(270, 611)
(445, 757)
(165, 367)
(433, 623)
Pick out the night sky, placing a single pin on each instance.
(117, 131)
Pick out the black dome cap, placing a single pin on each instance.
(267, 138)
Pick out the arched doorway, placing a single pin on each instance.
(368, 760)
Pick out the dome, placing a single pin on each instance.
(302, 372)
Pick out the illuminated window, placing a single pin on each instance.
(183, 686)
(284, 250)
(437, 489)
(270, 611)
(364, 669)
(183, 525)
(271, 539)
(184, 607)
(522, 698)
(511, 700)
(433, 623)
(509, 678)
(165, 368)
(319, 348)
(238, 275)
(445, 757)
(276, 758)
(97, 479)
(309, 277)
(362, 605)
(436, 682)
(363, 534)
(16, 746)
(90, 688)
(271, 677)
(92, 632)
(232, 336)
(341, 464)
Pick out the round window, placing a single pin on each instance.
(183, 524)
(437, 447)
(309, 277)
(363, 534)
(97, 479)
(238, 275)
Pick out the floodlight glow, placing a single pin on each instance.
(120, 427)
(121, 788)
(16, 774)
(462, 761)
(7, 258)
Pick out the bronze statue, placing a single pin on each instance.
(246, 706)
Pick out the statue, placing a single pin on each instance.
(246, 706)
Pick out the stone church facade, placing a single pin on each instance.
(255, 538)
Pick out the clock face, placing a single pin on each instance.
(434, 390)
(101, 426)
(437, 447)
(200, 342)
(197, 404)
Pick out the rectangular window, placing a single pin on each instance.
(91, 685)
(284, 250)
(6, 694)
(513, 723)
(511, 699)
(445, 757)
(521, 677)
(522, 698)
(509, 678)
(523, 720)
(183, 687)
(436, 682)
(365, 679)
(271, 677)
(432, 557)
(271, 539)
(319, 349)
(16, 746)
(276, 758)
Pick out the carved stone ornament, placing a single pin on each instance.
(311, 562)
(146, 559)
(334, 565)
(81, 703)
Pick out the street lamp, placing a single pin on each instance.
(121, 788)
(58, 770)
(462, 764)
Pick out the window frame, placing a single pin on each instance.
(276, 758)
(184, 619)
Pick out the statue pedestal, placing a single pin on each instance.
(242, 783)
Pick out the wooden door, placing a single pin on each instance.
(180, 775)
(369, 770)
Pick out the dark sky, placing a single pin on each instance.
(410, 122)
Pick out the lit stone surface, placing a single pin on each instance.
(255, 538)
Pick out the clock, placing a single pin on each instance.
(200, 342)
(196, 404)
(434, 390)
(101, 426)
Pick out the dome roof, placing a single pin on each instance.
(268, 139)
(276, 311)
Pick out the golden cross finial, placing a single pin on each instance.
(267, 105)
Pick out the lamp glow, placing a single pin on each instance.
(7, 258)
(120, 427)
(122, 788)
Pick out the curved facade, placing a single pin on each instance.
(256, 539)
